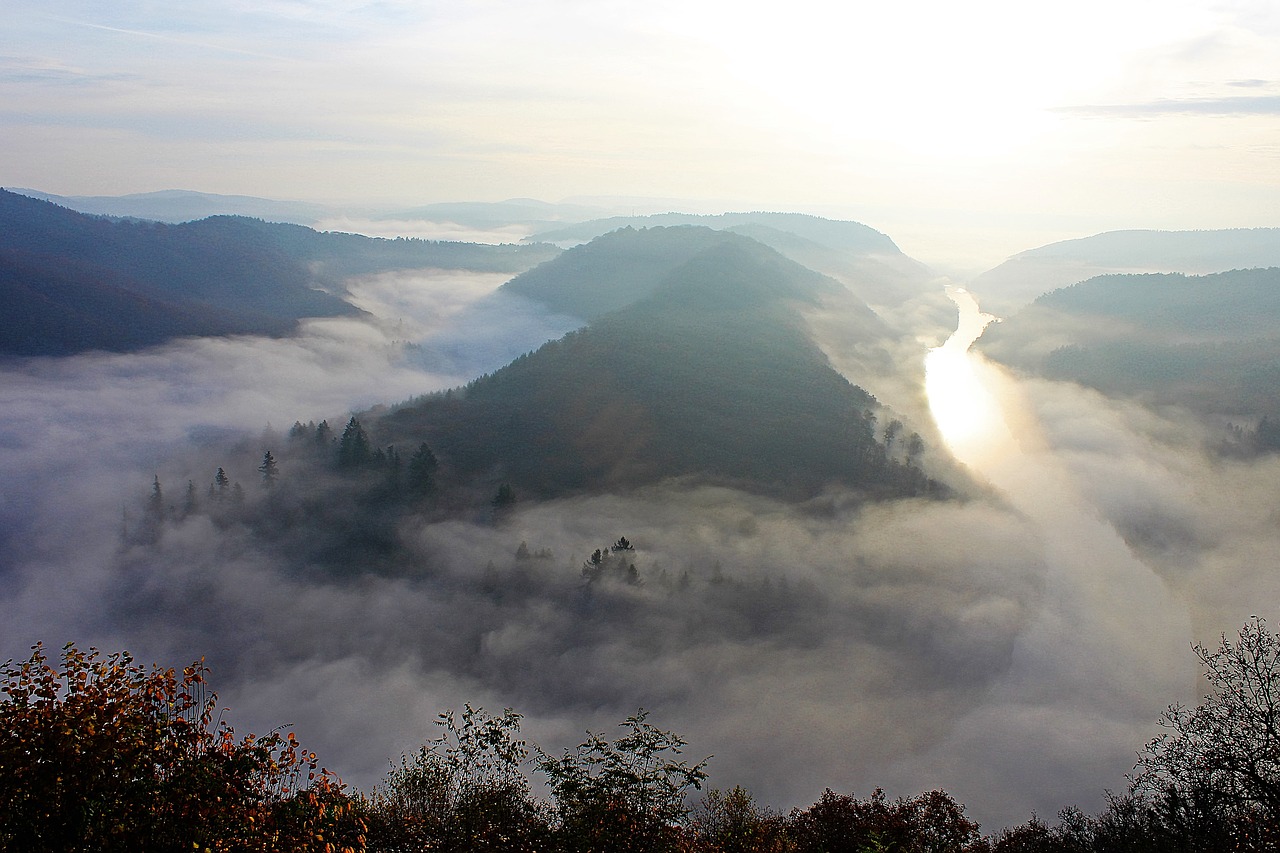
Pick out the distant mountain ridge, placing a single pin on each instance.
(1029, 274)
(174, 206)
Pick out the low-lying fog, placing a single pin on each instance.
(1009, 646)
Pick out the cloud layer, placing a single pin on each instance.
(1014, 646)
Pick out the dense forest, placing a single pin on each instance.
(98, 753)
(1207, 343)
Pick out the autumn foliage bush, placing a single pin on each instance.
(100, 754)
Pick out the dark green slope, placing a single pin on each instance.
(711, 376)
(215, 263)
(224, 274)
(1210, 342)
(60, 308)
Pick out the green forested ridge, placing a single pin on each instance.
(1019, 280)
(152, 281)
(614, 270)
(58, 306)
(1209, 342)
(710, 380)
(712, 374)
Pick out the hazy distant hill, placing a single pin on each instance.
(539, 215)
(218, 275)
(836, 234)
(1211, 342)
(186, 205)
(709, 373)
(1028, 274)
(864, 260)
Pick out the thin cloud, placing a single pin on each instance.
(181, 40)
(1257, 105)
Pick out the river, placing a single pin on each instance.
(1106, 649)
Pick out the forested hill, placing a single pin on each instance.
(625, 266)
(1026, 275)
(1208, 342)
(620, 268)
(149, 281)
(864, 260)
(711, 375)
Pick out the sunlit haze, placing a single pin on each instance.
(966, 132)
(732, 474)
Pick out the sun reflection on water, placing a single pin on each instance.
(967, 414)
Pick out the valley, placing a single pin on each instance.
(825, 585)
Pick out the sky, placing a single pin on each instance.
(967, 132)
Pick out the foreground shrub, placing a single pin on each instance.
(627, 794)
(731, 822)
(464, 791)
(928, 823)
(100, 754)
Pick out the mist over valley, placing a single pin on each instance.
(684, 463)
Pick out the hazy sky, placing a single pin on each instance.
(965, 131)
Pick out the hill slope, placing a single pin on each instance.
(215, 276)
(710, 375)
(1029, 274)
(186, 205)
(1210, 342)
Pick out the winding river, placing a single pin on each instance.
(1103, 649)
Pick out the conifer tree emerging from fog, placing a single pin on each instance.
(270, 470)
(220, 486)
(422, 470)
(354, 449)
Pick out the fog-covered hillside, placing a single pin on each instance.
(82, 282)
(1029, 274)
(1207, 342)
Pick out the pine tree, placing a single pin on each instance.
(422, 469)
(269, 469)
(505, 498)
(155, 504)
(354, 449)
(223, 483)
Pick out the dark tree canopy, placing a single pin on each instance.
(1225, 753)
(354, 448)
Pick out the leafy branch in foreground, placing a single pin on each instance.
(464, 791)
(100, 754)
(625, 794)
